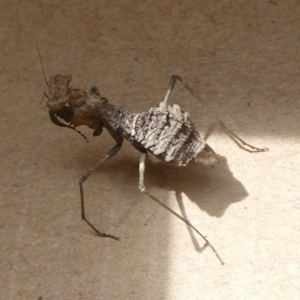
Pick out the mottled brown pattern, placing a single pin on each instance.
(165, 130)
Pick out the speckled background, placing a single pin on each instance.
(242, 57)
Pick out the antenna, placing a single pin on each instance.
(37, 46)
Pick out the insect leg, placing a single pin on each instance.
(187, 222)
(231, 134)
(85, 176)
(142, 172)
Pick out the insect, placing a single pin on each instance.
(164, 131)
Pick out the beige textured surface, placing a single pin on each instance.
(243, 58)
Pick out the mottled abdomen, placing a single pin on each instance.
(168, 133)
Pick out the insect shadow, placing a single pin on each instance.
(212, 189)
(208, 187)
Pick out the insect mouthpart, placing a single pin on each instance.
(65, 114)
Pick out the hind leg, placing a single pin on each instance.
(241, 143)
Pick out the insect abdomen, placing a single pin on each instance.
(167, 132)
